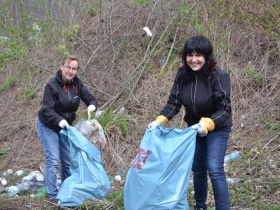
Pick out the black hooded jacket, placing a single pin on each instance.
(61, 101)
(201, 98)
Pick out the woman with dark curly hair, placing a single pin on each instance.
(203, 89)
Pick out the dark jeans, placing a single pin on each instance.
(209, 157)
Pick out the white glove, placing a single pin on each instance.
(153, 125)
(200, 129)
(91, 108)
(63, 124)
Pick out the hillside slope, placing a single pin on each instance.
(122, 67)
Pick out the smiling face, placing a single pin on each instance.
(195, 61)
(69, 69)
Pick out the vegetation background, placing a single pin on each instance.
(123, 67)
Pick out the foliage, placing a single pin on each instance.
(110, 119)
(5, 151)
(121, 66)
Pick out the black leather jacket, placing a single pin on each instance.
(61, 101)
(201, 98)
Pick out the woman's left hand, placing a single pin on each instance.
(91, 108)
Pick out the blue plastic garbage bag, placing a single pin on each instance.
(88, 178)
(159, 176)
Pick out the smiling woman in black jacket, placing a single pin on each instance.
(204, 90)
(61, 100)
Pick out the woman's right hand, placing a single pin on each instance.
(160, 121)
(63, 124)
(153, 125)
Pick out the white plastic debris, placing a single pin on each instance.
(4, 38)
(147, 30)
(3, 181)
(121, 110)
(272, 164)
(33, 175)
(99, 113)
(42, 167)
(40, 177)
(118, 178)
(19, 172)
(12, 190)
(234, 180)
(7, 172)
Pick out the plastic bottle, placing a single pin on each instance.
(99, 113)
(163, 60)
(33, 175)
(121, 110)
(234, 180)
(13, 190)
(19, 173)
(42, 168)
(232, 157)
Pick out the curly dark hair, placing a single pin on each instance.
(201, 45)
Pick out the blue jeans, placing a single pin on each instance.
(55, 150)
(209, 157)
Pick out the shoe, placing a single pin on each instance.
(52, 200)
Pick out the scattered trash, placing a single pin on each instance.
(147, 30)
(99, 113)
(122, 172)
(93, 131)
(3, 181)
(272, 163)
(163, 60)
(232, 157)
(34, 175)
(118, 178)
(19, 173)
(7, 172)
(42, 167)
(121, 110)
(31, 185)
(13, 190)
(32, 182)
(4, 38)
(234, 180)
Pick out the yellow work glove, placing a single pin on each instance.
(204, 126)
(159, 121)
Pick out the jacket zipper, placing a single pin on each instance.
(194, 94)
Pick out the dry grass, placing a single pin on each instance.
(121, 67)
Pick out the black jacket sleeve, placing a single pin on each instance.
(174, 102)
(221, 91)
(48, 106)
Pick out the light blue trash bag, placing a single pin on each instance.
(159, 176)
(88, 178)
